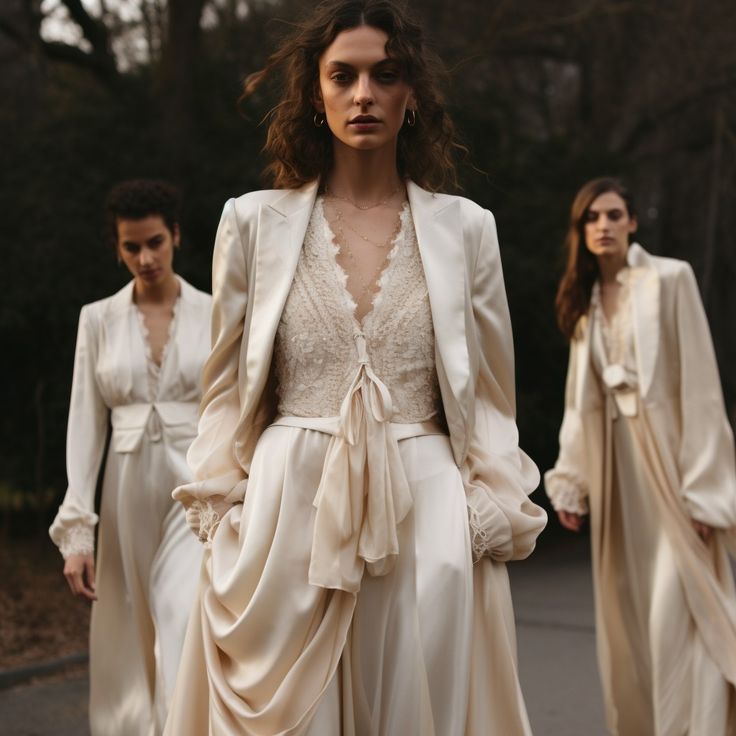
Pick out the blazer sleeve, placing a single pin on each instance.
(73, 528)
(219, 480)
(706, 453)
(565, 484)
(497, 474)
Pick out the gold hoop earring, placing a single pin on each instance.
(319, 119)
(411, 118)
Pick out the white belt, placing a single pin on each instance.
(130, 422)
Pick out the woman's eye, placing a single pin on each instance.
(132, 249)
(340, 77)
(615, 215)
(387, 76)
(591, 217)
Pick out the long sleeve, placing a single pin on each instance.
(565, 484)
(73, 527)
(706, 453)
(498, 475)
(219, 480)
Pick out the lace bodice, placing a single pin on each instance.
(618, 333)
(315, 350)
(154, 368)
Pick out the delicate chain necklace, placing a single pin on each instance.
(357, 206)
(370, 284)
(341, 222)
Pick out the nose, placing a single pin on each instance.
(363, 92)
(145, 257)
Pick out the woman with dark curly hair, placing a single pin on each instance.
(359, 483)
(138, 364)
(647, 451)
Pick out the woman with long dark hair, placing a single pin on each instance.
(359, 483)
(646, 450)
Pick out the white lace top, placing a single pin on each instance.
(618, 334)
(315, 350)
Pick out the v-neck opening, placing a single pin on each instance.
(348, 299)
(154, 369)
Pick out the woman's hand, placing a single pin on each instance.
(704, 531)
(79, 571)
(570, 520)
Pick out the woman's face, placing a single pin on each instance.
(146, 247)
(607, 226)
(362, 92)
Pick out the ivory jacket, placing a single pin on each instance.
(111, 384)
(256, 252)
(679, 389)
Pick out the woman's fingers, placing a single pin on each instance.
(570, 521)
(704, 531)
(79, 571)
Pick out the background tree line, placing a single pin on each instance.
(545, 94)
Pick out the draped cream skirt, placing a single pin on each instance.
(659, 676)
(146, 582)
(427, 649)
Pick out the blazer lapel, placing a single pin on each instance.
(439, 229)
(281, 229)
(645, 303)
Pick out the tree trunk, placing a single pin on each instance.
(178, 68)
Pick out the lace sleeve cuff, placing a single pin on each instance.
(77, 540)
(490, 531)
(203, 518)
(565, 494)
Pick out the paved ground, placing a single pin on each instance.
(554, 606)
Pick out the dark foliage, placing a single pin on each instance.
(546, 95)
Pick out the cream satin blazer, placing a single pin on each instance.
(256, 253)
(679, 387)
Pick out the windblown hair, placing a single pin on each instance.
(138, 198)
(300, 151)
(581, 272)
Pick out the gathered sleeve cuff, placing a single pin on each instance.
(566, 492)
(203, 517)
(498, 476)
(219, 480)
(73, 527)
(78, 539)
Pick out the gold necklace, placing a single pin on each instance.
(341, 222)
(357, 206)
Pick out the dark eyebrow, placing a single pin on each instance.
(344, 65)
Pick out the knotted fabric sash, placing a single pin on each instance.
(622, 390)
(363, 492)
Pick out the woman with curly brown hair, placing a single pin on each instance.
(647, 451)
(359, 483)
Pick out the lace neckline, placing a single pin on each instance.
(154, 368)
(341, 274)
(616, 331)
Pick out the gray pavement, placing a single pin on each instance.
(554, 609)
(553, 600)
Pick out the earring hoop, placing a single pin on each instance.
(411, 118)
(319, 119)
